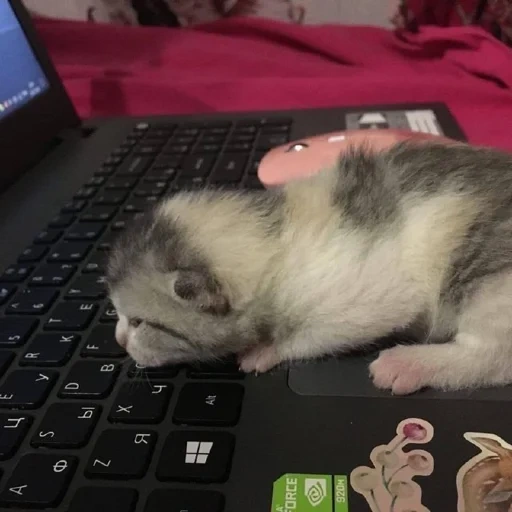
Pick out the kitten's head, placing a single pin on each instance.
(171, 307)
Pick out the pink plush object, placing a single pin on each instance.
(311, 154)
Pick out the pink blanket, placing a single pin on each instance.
(257, 64)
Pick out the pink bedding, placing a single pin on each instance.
(245, 64)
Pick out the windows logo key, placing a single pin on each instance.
(197, 452)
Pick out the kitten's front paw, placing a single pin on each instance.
(259, 359)
(400, 370)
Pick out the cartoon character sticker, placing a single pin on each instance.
(484, 483)
(389, 485)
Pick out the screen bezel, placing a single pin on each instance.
(27, 132)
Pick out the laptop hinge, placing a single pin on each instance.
(66, 135)
(81, 131)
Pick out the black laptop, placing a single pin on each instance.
(84, 430)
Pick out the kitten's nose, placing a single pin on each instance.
(122, 331)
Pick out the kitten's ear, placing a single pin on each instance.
(197, 289)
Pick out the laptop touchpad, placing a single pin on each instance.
(349, 376)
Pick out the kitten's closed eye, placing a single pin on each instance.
(136, 322)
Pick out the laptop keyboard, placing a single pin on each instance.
(79, 423)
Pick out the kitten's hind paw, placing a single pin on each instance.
(259, 359)
(400, 369)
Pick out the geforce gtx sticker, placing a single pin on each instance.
(296, 492)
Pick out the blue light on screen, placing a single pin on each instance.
(21, 76)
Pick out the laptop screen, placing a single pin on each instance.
(21, 76)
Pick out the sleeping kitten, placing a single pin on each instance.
(414, 239)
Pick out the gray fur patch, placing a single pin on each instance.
(365, 191)
(475, 172)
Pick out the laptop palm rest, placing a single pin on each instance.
(349, 377)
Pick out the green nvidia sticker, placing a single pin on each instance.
(295, 492)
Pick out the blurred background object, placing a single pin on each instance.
(189, 12)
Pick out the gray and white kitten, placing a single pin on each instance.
(415, 239)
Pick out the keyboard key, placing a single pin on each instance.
(109, 314)
(16, 274)
(176, 149)
(112, 197)
(48, 237)
(158, 372)
(178, 500)
(237, 137)
(26, 389)
(122, 221)
(158, 175)
(212, 139)
(129, 143)
(268, 141)
(140, 204)
(85, 193)
(96, 181)
(121, 454)
(230, 168)
(141, 403)
(98, 214)
(69, 252)
(148, 149)
(63, 220)
(13, 429)
(121, 184)
(50, 350)
(32, 301)
(160, 131)
(52, 275)
(184, 139)
(208, 148)
(6, 290)
(122, 151)
(105, 170)
(32, 254)
(196, 456)
(216, 131)
(265, 121)
(39, 481)
(102, 343)
(84, 231)
(225, 370)
(255, 163)
(71, 316)
(89, 379)
(112, 161)
(74, 206)
(190, 130)
(198, 165)
(6, 358)
(153, 140)
(134, 166)
(142, 127)
(184, 183)
(166, 162)
(14, 332)
(249, 129)
(277, 128)
(254, 183)
(107, 240)
(105, 499)
(87, 287)
(95, 264)
(155, 189)
(243, 147)
(67, 425)
(212, 404)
